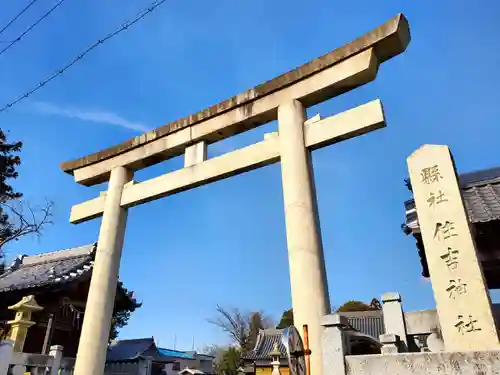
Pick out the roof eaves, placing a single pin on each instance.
(78, 273)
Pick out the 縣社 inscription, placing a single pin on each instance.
(460, 291)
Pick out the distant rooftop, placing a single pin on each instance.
(481, 177)
(367, 322)
(176, 353)
(184, 354)
(131, 350)
(127, 350)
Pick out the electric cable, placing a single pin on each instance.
(143, 13)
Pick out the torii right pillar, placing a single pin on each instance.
(309, 286)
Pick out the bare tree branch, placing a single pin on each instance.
(234, 323)
(22, 223)
(242, 328)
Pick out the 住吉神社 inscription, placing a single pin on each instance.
(466, 324)
(450, 258)
(456, 288)
(459, 288)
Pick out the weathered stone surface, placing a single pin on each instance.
(342, 126)
(308, 281)
(394, 321)
(458, 363)
(387, 40)
(94, 335)
(195, 154)
(421, 322)
(462, 299)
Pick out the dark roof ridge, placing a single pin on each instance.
(129, 350)
(56, 267)
(53, 256)
(135, 340)
(259, 341)
(48, 261)
(479, 177)
(271, 331)
(366, 313)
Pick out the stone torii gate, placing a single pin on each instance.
(284, 98)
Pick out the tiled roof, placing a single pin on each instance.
(265, 344)
(50, 268)
(127, 350)
(58, 267)
(130, 350)
(481, 194)
(367, 322)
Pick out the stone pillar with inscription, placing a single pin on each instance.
(460, 291)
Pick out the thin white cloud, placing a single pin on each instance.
(98, 116)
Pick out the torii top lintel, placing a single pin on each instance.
(386, 41)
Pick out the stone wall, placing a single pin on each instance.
(443, 363)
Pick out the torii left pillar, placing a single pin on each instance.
(95, 331)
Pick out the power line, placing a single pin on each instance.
(31, 27)
(155, 4)
(18, 15)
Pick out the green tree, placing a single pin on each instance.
(227, 360)
(9, 160)
(352, 306)
(17, 218)
(286, 319)
(349, 306)
(119, 320)
(230, 362)
(256, 324)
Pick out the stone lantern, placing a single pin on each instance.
(276, 355)
(22, 321)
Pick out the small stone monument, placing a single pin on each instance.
(275, 355)
(22, 321)
(462, 299)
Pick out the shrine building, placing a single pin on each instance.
(366, 327)
(59, 282)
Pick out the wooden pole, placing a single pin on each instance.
(48, 334)
(307, 352)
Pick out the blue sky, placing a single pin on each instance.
(225, 243)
